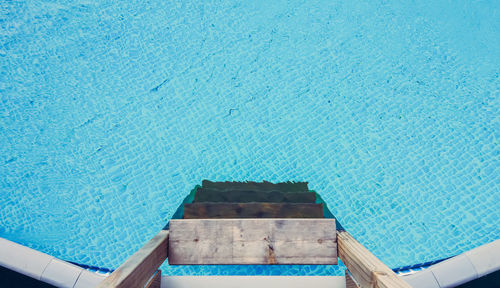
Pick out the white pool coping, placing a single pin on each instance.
(44, 267)
(460, 269)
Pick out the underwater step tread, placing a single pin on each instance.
(252, 210)
(257, 186)
(246, 196)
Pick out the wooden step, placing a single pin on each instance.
(257, 186)
(252, 241)
(252, 210)
(245, 196)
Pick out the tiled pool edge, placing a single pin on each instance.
(412, 269)
(94, 269)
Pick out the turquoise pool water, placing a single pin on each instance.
(110, 113)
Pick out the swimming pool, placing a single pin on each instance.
(110, 113)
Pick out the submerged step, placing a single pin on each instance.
(246, 196)
(256, 186)
(252, 210)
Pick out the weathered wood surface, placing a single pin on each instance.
(246, 196)
(349, 282)
(366, 269)
(257, 186)
(252, 210)
(139, 268)
(252, 241)
(154, 281)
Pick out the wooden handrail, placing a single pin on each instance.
(366, 269)
(139, 268)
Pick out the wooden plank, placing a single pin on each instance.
(252, 210)
(246, 196)
(252, 241)
(349, 282)
(257, 186)
(154, 281)
(139, 268)
(366, 269)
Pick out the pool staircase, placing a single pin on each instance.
(253, 224)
